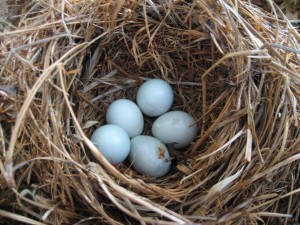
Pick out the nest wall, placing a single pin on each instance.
(233, 66)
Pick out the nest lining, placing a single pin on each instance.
(232, 66)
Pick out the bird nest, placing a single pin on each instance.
(232, 66)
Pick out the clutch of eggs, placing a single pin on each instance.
(148, 155)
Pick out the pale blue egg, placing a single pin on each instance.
(149, 156)
(127, 115)
(113, 142)
(155, 97)
(175, 127)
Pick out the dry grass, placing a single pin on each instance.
(233, 67)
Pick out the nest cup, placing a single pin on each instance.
(233, 67)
